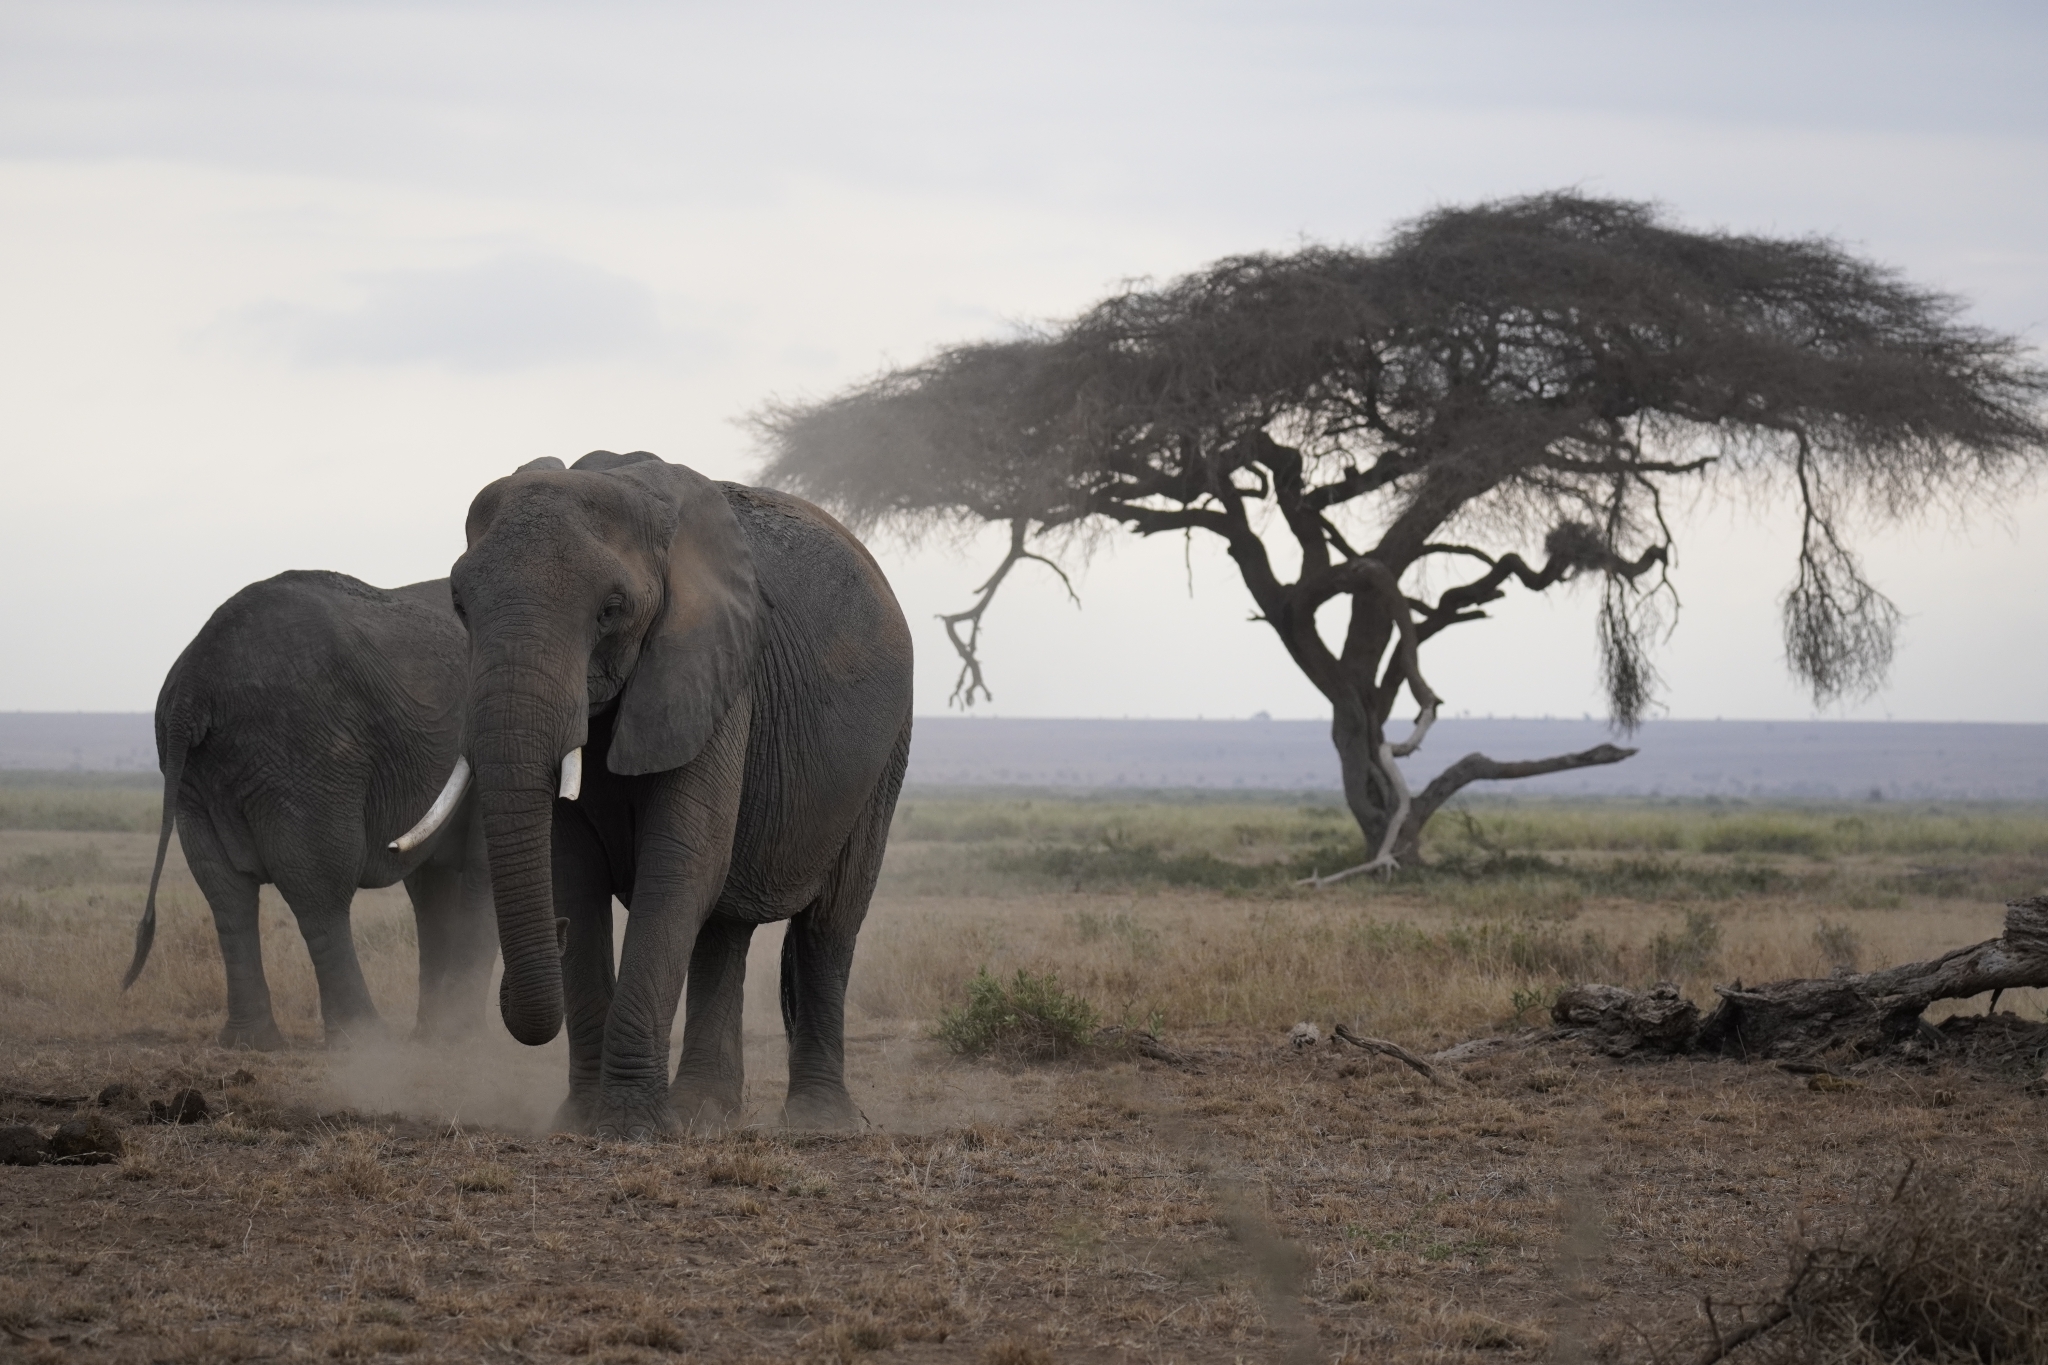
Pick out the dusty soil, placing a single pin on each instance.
(1262, 1204)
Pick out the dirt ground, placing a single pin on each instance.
(1262, 1202)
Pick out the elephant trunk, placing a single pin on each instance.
(517, 743)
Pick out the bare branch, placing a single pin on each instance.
(1609, 468)
(970, 680)
(1477, 767)
(1394, 1050)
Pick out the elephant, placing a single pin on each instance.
(736, 669)
(303, 737)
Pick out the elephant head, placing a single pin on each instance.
(624, 582)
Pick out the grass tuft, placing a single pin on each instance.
(1690, 951)
(489, 1178)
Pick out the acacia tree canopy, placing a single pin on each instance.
(1543, 369)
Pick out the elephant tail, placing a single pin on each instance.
(174, 738)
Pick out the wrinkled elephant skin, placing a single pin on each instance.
(735, 673)
(311, 722)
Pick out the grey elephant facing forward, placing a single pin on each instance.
(695, 697)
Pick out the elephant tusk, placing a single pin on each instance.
(572, 775)
(438, 813)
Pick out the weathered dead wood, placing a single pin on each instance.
(1619, 1022)
(1863, 1013)
(1872, 1011)
(1394, 1050)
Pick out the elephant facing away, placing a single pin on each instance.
(696, 697)
(304, 735)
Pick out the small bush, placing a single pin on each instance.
(1029, 1018)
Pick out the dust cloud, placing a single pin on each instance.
(900, 1080)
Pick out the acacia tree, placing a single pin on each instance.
(1544, 369)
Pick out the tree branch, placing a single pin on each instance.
(1476, 767)
(970, 680)
(1307, 523)
(1611, 467)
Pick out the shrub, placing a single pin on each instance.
(1027, 1018)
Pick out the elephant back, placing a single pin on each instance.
(310, 697)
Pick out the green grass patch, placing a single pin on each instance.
(1029, 1018)
(93, 803)
(49, 871)
(1488, 857)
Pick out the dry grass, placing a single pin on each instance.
(407, 1202)
(1937, 1271)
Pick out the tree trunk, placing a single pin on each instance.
(1859, 1013)
(1367, 793)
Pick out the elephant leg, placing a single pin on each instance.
(451, 902)
(233, 898)
(684, 846)
(320, 903)
(583, 896)
(817, 958)
(454, 967)
(711, 1077)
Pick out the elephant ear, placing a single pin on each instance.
(699, 655)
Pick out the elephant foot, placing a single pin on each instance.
(575, 1114)
(262, 1036)
(820, 1109)
(703, 1110)
(616, 1121)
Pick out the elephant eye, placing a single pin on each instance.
(614, 607)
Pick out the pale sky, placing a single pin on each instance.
(284, 284)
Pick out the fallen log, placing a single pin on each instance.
(1874, 1011)
(1861, 1013)
(1619, 1022)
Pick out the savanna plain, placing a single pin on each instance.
(1223, 1193)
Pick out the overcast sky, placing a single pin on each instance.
(284, 284)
